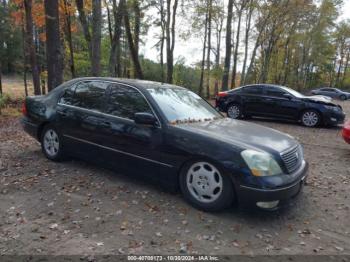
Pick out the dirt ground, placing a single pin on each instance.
(77, 208)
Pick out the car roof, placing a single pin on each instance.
(142, 84)
(262, 85)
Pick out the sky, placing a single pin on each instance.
(191, 49)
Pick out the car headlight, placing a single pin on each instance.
(333, 108)
(261, 164)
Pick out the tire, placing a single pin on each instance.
(310, 118)
(51, 144)
(342, 97)
(234, 111)
(205, 186)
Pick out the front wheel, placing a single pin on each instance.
(51, 143)
(205, 186)
(310, 118)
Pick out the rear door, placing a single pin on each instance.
(252, 100)
(82, 117)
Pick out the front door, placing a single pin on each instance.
(278, 105)
(138, 146)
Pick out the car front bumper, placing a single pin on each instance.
(333, 118)
(251, 196)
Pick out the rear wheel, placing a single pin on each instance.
(51, 143)
(205, 186)
(310, 118)
(234, 111)
(342, 97)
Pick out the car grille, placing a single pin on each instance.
(292, 158)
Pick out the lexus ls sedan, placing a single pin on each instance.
(279, 102)
(168, 133)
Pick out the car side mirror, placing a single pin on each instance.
(287, 96)
(144, 118)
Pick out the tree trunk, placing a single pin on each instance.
(170, 39)
(224, 85)
(137, 23)
(25, 59)
(132, 48)
(84, 24)
(30, 46)
(235, 54)
(69, 37)
(200, 91)
(114, 58)
(246, 40)
(109, 22)
(209, 47)
(162, 23)
(53, 45)
(96, 38)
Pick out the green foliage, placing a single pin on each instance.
(10, 42)
(4, 98)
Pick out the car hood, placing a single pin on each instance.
(319, 98)
(243, 134)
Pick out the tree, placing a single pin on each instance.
(170, 38)
(114, 58)
(30, 46)
(210, 15)
(96, 38)
(200, 90)
(239, 8)
(68, 32)
(132, 47)
(228, 48)
(53, 45)
(249, 14)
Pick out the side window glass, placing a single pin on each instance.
(90, 95)
(68, 96)
(125, 101)
(272, 91)
(253, 90)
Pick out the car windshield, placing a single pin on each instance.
(180, 105)
(293, 92)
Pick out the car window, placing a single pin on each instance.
(328, 90)
(253, 90)
(125, 101)
(68, 96)
(90, 95)
(274, 91)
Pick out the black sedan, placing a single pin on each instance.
(331, 92)
(279, 102)
(169, 133)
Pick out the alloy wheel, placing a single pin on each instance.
(310, 118)
(233, 111)
(51, 143)
(204, 182)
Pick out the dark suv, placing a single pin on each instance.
(279, 102)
